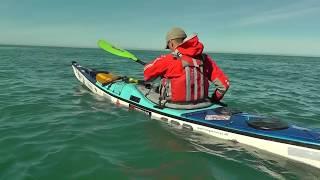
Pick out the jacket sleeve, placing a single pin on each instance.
(219, 79)
(155, 68)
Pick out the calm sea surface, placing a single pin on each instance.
(51, 127)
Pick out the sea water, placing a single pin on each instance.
(52, 127)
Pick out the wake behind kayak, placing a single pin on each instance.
(278, 137)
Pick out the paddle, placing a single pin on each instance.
(119, 52)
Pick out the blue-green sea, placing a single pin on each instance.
(52, 127)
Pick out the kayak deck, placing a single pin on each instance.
(238, 122)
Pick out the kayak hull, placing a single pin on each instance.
(296, 143)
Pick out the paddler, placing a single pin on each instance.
(185, 72)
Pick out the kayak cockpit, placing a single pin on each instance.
(154, 97)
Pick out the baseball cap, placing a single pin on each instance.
(175, 33)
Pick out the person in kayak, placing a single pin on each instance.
(185, 72)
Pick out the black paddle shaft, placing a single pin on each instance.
(141, 62)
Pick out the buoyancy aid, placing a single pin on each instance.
(190, 86)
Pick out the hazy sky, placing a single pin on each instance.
(248, 26)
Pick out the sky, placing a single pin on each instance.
(285, 27)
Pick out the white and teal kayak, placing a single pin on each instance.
(272, 135)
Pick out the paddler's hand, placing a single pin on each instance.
(216, 97)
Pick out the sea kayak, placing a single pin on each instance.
(269, 134)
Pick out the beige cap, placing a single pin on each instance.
(175, 33)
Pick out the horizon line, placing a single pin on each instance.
(142, 49)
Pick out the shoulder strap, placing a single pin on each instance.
(176, 54)
(203, 56)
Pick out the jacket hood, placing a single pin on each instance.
(191, 47)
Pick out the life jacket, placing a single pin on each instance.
(191, 86)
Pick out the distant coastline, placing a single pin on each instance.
(163, 51)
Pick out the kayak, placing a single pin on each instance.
(269, 134)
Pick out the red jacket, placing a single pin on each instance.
(171, 67)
